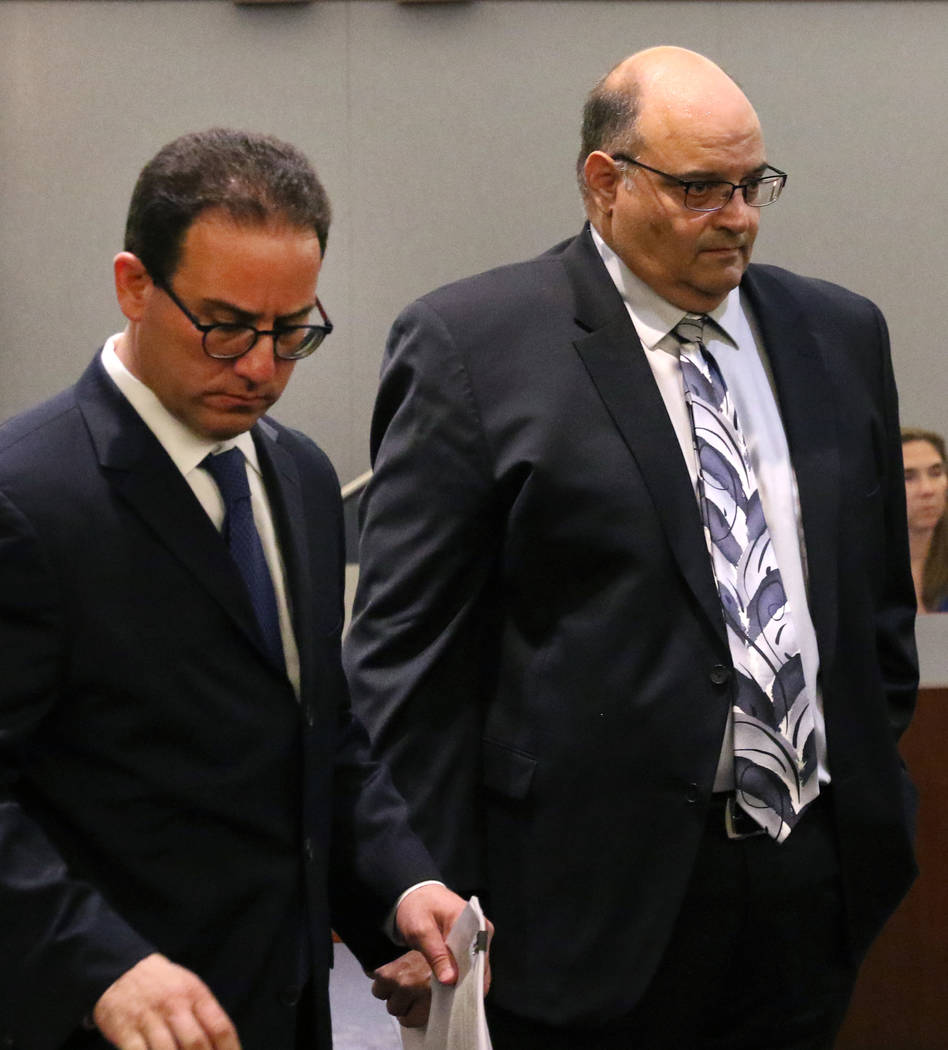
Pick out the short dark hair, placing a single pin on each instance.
(255, 179)
(609, 123)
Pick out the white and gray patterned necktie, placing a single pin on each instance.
(774, 745)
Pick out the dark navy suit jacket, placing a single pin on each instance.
(161, 788)
(538, 646)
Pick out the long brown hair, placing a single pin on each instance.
(935, 575)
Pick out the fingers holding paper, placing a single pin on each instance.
(424, 919)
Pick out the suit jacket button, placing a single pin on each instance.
(309, 716)
(309, 851)
(720, 674)
(290, 995)
(692, 794)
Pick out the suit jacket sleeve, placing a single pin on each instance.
(895, 621)
(429, 541)
(63, 945)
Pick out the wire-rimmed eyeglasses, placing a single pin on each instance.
(227, 341)
(705, 195)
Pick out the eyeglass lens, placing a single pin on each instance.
(234, 340)
(710, 196)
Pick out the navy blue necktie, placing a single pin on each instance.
(230, 472)
(774, 746)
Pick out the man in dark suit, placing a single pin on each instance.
(564, 632)
(186, 801)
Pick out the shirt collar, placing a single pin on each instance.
(185, 448)
(655, 317)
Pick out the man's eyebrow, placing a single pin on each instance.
(250, 318)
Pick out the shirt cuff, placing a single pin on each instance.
(389, 928)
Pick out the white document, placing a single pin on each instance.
(457, 1020)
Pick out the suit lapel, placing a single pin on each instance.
(615, 360)
(145, 477)
(282, 480)
(797, 355)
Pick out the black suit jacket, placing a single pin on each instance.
(538, 646)
(162, 788)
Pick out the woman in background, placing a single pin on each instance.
(926, 484)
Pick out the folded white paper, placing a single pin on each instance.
(457, 1020)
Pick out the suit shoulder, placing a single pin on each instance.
(25, 423)
(41, 430)
(809, 290)
(309, 457)
(514, 285)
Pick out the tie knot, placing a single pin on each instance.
(230, 473)
(690, 329)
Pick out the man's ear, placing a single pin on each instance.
(133, 285)
(602, 180)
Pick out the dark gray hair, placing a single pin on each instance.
(609, 123)
(255, 179)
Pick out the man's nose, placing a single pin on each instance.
(258, 365)
(737, 214)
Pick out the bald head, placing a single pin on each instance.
(647, 90)
(671, 75)
(660, 120)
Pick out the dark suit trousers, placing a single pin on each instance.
(757, 960)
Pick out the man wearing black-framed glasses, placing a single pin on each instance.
(188, 803)
(634, 622)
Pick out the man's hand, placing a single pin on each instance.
(424, 919)
(405, 985)
(158, 1005)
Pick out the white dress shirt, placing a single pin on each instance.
(187, 450)
(737, 348)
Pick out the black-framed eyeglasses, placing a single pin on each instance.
(227, 341)
(702, 195)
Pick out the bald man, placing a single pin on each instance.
(635, 618)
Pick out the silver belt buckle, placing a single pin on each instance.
(737, 823)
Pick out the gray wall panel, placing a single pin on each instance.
(446, 136)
